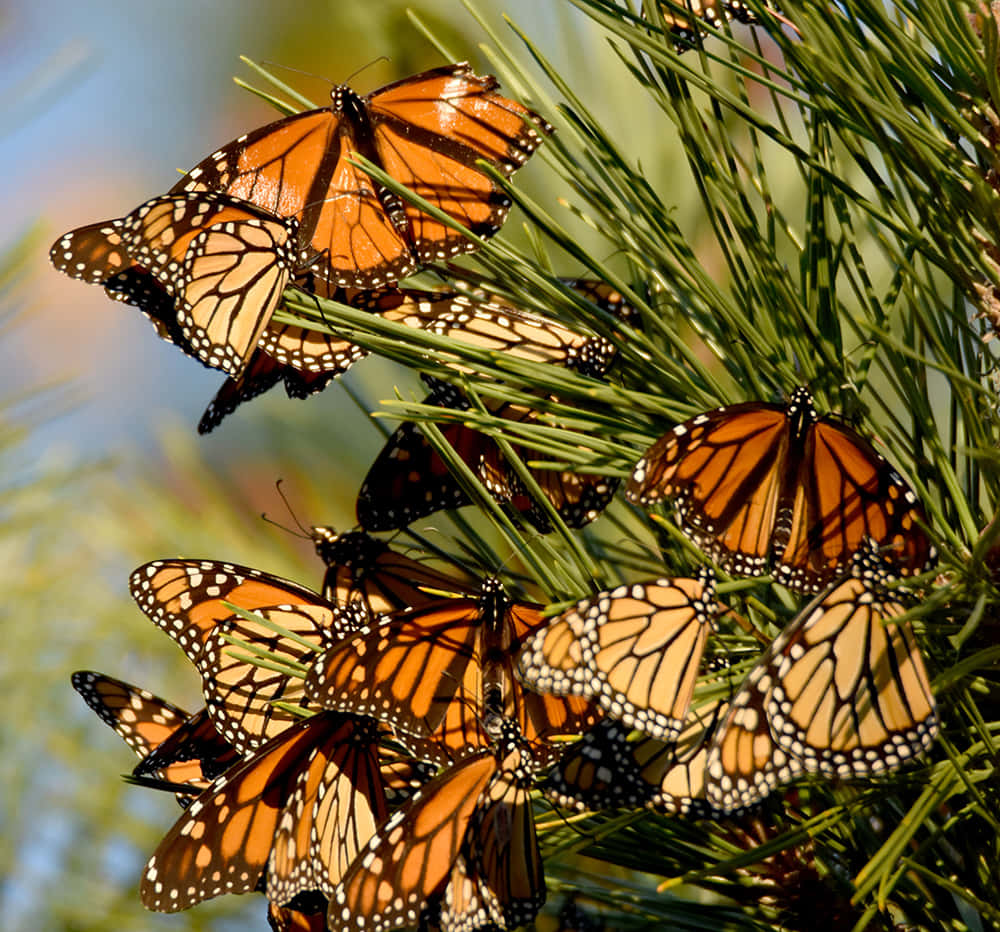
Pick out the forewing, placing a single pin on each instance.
(186, 598)
(725, 471)
(850, 695)
(411, 856)
(335, 805)
(847, 492)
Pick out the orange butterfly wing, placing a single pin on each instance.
(185, 598)
(92, 253)
(503, 847)
(226, 263)
(744, 764)
(224, 842)
(761, 486)
(408, 670)
(426, 131)
(363, 567)
(171, 745)
(195, 743)
(846, 493)
(849, 694)
(725, 472)
(842, 691)
(337, 803)
(431, 671)
(411, 857)
(636, 650)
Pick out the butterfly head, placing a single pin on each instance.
(353, 549)
(594, 358)
(510, 746)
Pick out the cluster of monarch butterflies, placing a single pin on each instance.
(285, 205)
(366, 755)
(376, 772)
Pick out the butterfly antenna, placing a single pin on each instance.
(302, 531)
(308, 74)
(516, 551)
(374, 61)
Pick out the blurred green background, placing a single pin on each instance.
(102, 468)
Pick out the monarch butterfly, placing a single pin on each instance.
(429, 670)
(427, 132)
(604, 770)
(409, 480)
(713, 12)
(171, 745)
(363, 568)
(635, 650)
(598, 772)
(188, 600)
(306, 360)
(224, 261)
(292, 817)
(763, 485)
(676, 772)
(842, 692)
(462, 852)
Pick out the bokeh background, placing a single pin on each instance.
(102, 470)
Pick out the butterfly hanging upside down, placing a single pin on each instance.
(179, 749)
(841, 692)
(636, 650)
(462, 854)
(207, 268)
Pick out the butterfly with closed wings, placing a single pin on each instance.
(462, 854)
(289, 819)
(224, 262)
(190, 600)
(636, 650)
(172, 746)
(304, 359)
(841, 692)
